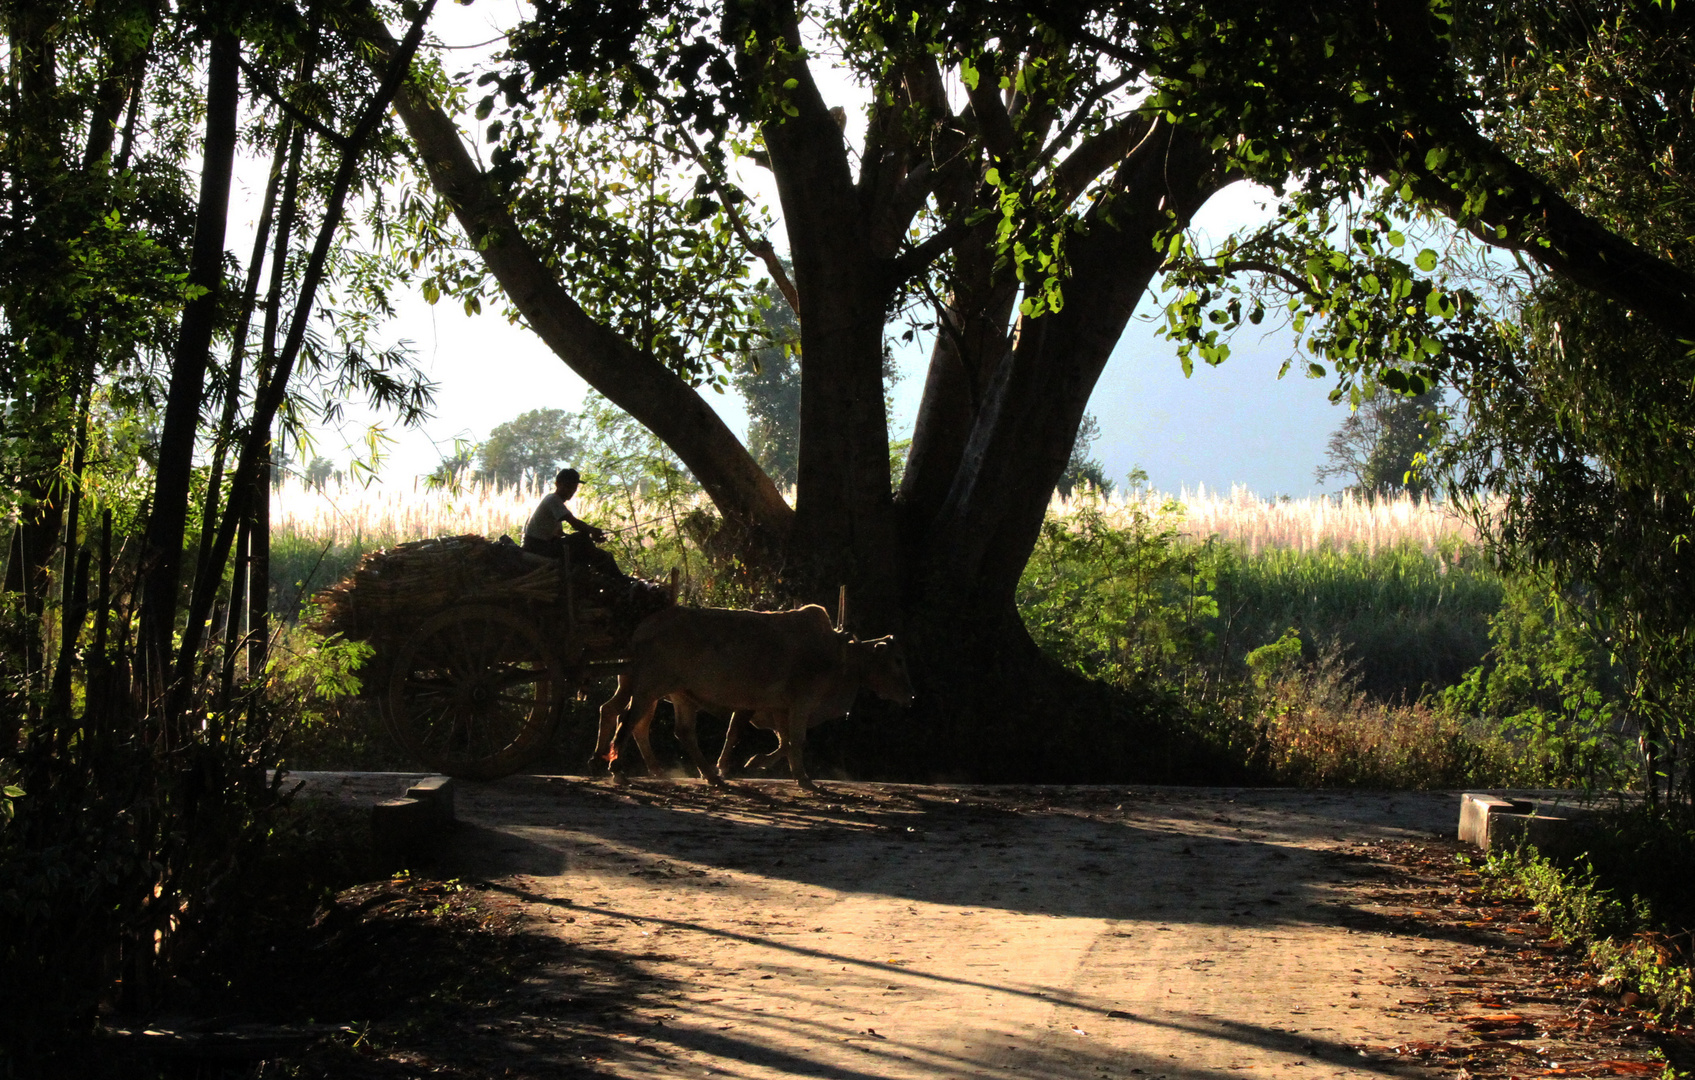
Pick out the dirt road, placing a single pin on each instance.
(884, 930)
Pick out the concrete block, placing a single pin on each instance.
(401, 829)
(1475, 808)
(435, 792)
(1552, 835)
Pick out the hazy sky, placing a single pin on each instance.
(1236, 424)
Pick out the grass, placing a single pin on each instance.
(1633, 920)
(378, 516)
(1411, 619)
(1318, 729)
(1316, 523)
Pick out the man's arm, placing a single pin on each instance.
(578, 525)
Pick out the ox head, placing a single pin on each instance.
(884, 668)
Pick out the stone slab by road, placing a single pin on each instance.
(884, 930)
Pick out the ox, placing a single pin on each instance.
(780, 670)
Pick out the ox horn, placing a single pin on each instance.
(841, 608)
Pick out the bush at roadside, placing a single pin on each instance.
(1618, 904)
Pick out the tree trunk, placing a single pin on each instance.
(971, 340)
(994, 706)
(978, 542)
(844, 527)
(167, 523)
(258, 571)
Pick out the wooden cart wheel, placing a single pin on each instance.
(474, 692)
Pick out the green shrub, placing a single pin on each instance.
(1550, 686)
(1578, 909)
(1587, 904)
(315, 686)
(1131, 599)
(1278, 661)
(1125, 603)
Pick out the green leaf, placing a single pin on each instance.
(1396, 238)
(1426, 260)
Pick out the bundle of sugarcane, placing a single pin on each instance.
(625, 601)
(392, 589)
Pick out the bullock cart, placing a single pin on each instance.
(478, 644)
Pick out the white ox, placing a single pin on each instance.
(780, 670)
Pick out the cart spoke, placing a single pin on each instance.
(473, 690)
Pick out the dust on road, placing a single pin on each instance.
(884, 930)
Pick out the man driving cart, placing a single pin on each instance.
(545, 533)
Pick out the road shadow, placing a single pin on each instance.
(1158, 857)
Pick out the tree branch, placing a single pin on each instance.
(634, 381)
(912, 262)
(1097, 153)
(1527, 214)
(295, 113)
(994, 124)
(760, 247)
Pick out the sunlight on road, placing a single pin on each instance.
(1013, 932)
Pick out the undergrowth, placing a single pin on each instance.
(1621, 903)
(1319, 729)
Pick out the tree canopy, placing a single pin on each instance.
(529, 448)
(1384, 445)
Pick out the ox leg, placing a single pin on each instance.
(686, 713)
(777, 722)
(611, 714)
(637, 721)
(795, 744)
(643, 730)
(738, 725)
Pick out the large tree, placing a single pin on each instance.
(1025, 172)
(529, 448)
(1007, 181)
